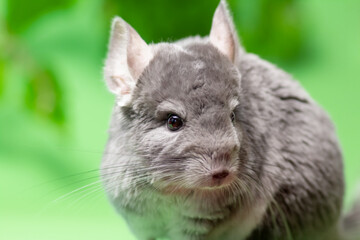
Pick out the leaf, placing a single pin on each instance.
(44, 96)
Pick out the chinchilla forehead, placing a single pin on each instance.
(196, 75)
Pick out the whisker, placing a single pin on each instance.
(97, 189)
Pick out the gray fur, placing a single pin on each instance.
(281, 150)
(350, 227)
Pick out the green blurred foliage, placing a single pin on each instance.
(21, 14)
(55, 109)
(272, 29)
(43, 95)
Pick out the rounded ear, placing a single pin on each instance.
(223, 34)
(128, 55)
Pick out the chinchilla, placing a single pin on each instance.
(208, 141)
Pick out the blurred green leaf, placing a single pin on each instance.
(44, 96)
(20, 14)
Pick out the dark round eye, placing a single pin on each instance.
(174, 122)
(232, 116)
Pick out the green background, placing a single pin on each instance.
(55, 108)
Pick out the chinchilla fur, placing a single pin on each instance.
(240, 115)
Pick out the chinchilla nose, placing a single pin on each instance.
(220, 174)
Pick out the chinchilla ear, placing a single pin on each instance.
(127, 57)
(223, 34)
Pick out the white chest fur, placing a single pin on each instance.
(175, 218)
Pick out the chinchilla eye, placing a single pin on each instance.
(174, 122)
(232, 116)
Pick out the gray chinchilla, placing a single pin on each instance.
(208, 141)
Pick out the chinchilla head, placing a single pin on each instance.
(176, 124)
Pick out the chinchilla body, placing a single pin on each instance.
(209, 142)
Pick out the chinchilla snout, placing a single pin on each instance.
(225, 153)
(214, 159)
